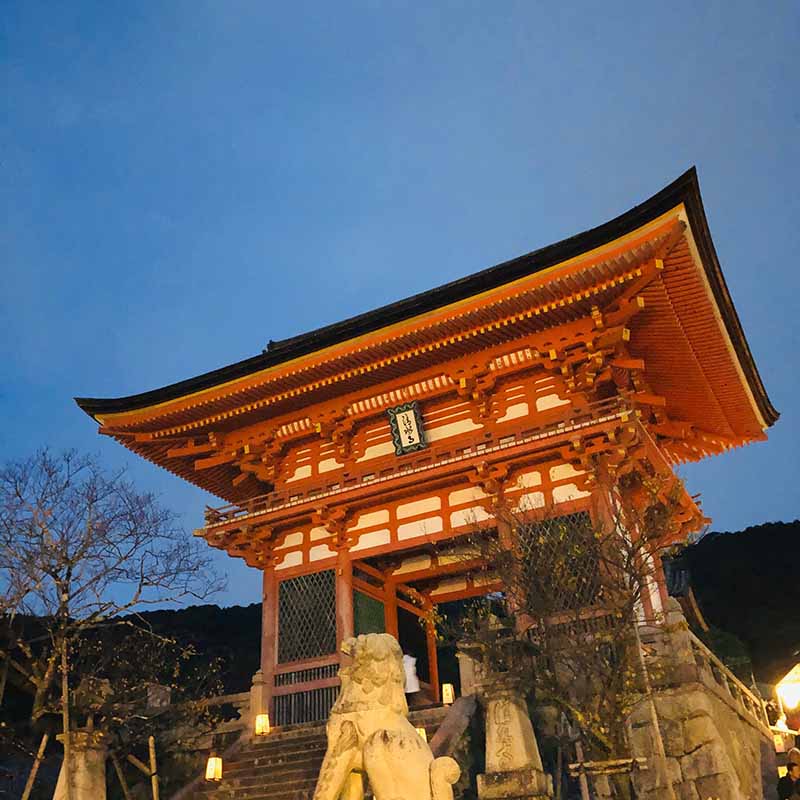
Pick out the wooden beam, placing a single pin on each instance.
(369, 570)
(374, 592)
(305, 686)
(463, 594)
(416, 610)
(649, 399)
(411, 592)
(628, 363)
(215, 461)
(191, 449)
(451, 568)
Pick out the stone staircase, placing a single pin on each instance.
(285, 765)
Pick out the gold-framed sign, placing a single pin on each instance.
(408, 433)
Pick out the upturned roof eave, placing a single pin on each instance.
(684, 190)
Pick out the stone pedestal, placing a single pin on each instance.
(88, 753)
(513, 764)
(518, 784)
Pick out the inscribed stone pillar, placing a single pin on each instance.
(88, 753)
(513, 764)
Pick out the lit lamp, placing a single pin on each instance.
(788, 688)
(448, 694)
(214, 767)
(423, 733)
(262, 724)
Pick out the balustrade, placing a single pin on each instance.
(481, 444)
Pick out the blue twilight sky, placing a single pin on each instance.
(183, 181)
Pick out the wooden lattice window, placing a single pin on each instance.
(307, 617)
(560, 561)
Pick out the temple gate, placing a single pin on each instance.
(354, 458)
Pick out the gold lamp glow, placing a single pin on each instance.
(448, 694)
(214, 768)
(262, 724)
(788, 688)
(423, 733)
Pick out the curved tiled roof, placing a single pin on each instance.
(685, 190)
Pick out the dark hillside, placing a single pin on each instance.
(748, 583)
(230, 634)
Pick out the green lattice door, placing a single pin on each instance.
(307, 617)
(368, 613)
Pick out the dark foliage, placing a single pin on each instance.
(231, 636)
(748, 583)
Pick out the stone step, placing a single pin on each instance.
(269, 755)
(285, 764)
(296, 771)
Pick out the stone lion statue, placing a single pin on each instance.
(369, 733)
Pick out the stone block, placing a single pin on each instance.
(661, 793)
(648, 782)
(683, 703)
(698, 731)
(674, 773)
(602, 786)
(510, 740)
(686, 791)
(645, 781)
(718, 787)
(641, 738)
(520, 784)
(89, 752)
(672, 736)
(709, 759)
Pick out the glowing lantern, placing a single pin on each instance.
(788, 688)
(448, 694)
(214, 768)
(423, 733)
(262, 724)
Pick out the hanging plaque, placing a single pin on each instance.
(407, 431)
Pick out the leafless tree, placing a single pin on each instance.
(571, 592)
(79, 547)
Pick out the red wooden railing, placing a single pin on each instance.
(419, 462)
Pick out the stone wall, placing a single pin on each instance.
(714, 729)
(712, 751)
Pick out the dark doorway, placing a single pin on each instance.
(413, 641)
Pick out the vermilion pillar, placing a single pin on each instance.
(269, 633)
(345, 622)
(433, 659)
(390, 609)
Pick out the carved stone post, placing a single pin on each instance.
(88, 753)
(466, 673)
(513, 764)
(259, 699)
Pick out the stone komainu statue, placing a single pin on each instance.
(369, 732)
